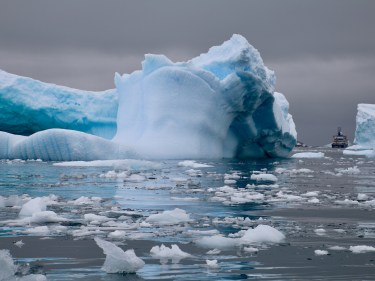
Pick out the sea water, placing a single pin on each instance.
(314, 202)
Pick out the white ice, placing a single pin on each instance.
(164, 253)
(308, 155)
(219, 104)
(118, 261)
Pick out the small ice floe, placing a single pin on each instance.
(321, 252)
(45, 217)
(114, 174)
(95, 218)
(349, 171)
(217, 242)
(293, 171)
(174, 253)
(9, 270)
(361, 249)
(117, 234)
(194, 173)
(262, 234)
(35, 205)
(346, 202)
(313, 200)
(230, 182)
(289, 197)
(19, 243)
(308, 155)
(310, 194)
(38, 230)
(193, 164)
(175, 216)
(337, 248)
(118, 261)
(362, 197)
(251, 250)
(212, 264)
(135, 178)
(320, 231)
(213, 252)
(83, 200)
(263, 177)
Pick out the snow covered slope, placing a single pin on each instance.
(28, 106)
(219, 104)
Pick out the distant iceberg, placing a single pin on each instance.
(364, 141)
(219, 104)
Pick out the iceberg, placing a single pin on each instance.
(220, 104)
(365, 126)
(118, 261)
(28, 106)
(364, 140)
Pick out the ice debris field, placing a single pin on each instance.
(202, 217)
(220, 104)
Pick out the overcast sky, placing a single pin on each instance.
(323, 52)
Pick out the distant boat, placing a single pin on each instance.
(339, 140)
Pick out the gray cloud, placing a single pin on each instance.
(322, 51)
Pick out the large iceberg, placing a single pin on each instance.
(28, 106)
(219, 104)
(365, 126)
(364, 141)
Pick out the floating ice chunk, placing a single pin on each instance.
(175, 216)
(347, 202)
(97, 218)
(135, 178)
(250, 250)
(293, 171)
(262, 234)
(46, 217)
(118, 261)
(174, 253)
(8, 270)
(264, 177)
(212, 264)
(361, 152)
(361, 249)
(117, 234)
(193, 164)
(83, 200)
(362, 197)
(321, 252)
(308, 155)
(38, 230)
(230, 181)
(7, 266)
(320, 231)
(350, 171)
(35, 205)
(217, 242)
(213, 252)
(337, 248)
(313, 200)
(310, 194)
(19, 244)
